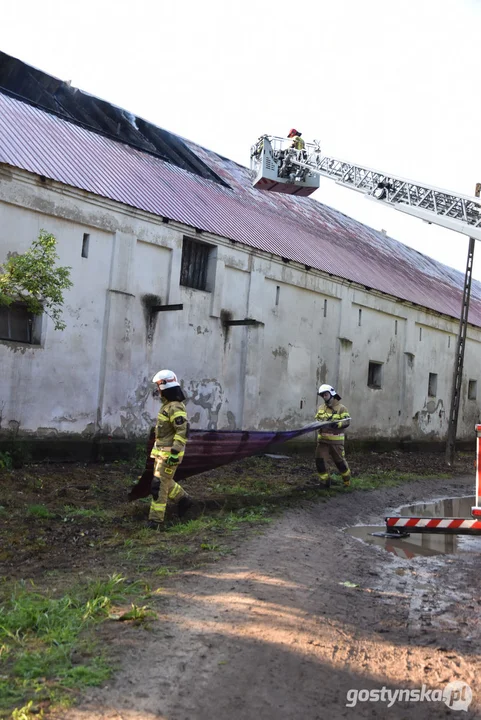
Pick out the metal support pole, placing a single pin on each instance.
(460, 348)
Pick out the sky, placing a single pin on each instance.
(390, 85)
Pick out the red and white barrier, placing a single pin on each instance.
(444, 526)
(462, 526)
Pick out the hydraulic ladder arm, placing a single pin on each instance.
(282, 169)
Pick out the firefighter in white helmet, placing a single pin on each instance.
(330, 438)
(171, 433)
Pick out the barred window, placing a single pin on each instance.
(16, 323)
(195, 263)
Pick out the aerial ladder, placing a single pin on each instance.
(279, 167)
(297, 172)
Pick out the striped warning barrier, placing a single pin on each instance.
(445, 526)
(459, 526)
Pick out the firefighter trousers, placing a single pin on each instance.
(164, 488)
(335, 452)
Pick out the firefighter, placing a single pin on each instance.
(171, 433)
(297, 141)
(258, 148)
(330, 439)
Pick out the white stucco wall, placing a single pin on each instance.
(95, 375)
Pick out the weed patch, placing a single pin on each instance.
(46, 652)
(40, 511)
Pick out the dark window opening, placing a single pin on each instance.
(16, 323)
(359, 322)
(374, 375)
(278, 292)
(420, 333)
(432, 385)
(472, 389)
(395, 327)
(195, 262)
(85, 245)
(325, 308)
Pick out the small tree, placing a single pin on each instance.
(33, 279)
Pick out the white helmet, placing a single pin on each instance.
(326, 388)
(166, 379)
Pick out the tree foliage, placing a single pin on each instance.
(33, 279)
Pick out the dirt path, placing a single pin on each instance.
(271, 633)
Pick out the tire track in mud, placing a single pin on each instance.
(270, 632)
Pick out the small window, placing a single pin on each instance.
(395, 327)
(195, 262)
(359, 321)
(433, 385)
(420, 333)
(16, 323)
(325, 308)
(85, 245)
(374, 375)
(278, 292)
(472, 388)
(449, 341)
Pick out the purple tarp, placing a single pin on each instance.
(209, 449)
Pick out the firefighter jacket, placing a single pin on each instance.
(336, 413)
(298, 143)
(171, 429)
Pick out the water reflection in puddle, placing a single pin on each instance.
(425, 543)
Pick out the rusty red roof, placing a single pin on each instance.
(297, 229)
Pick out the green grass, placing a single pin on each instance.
(166, 571)
(390, 478)
(40, 511)
(6, 461)
(98, 513)
(224, 522)
(177, 550)
(251, 486)
(46, 653)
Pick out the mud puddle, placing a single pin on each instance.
(424, 543)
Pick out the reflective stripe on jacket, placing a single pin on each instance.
(172, 428)
(335, 412)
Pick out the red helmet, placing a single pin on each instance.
(293, 132)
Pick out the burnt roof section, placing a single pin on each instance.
(35, 87)
(293, 228)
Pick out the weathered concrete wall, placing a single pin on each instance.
(94, 378)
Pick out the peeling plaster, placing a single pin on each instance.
(426, 416)
(134, 418)
(209, 395)
(289, 422)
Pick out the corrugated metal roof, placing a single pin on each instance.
(299, 229)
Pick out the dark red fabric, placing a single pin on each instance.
(209, 449)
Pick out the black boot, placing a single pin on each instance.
(183, 505)
(154, 525)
